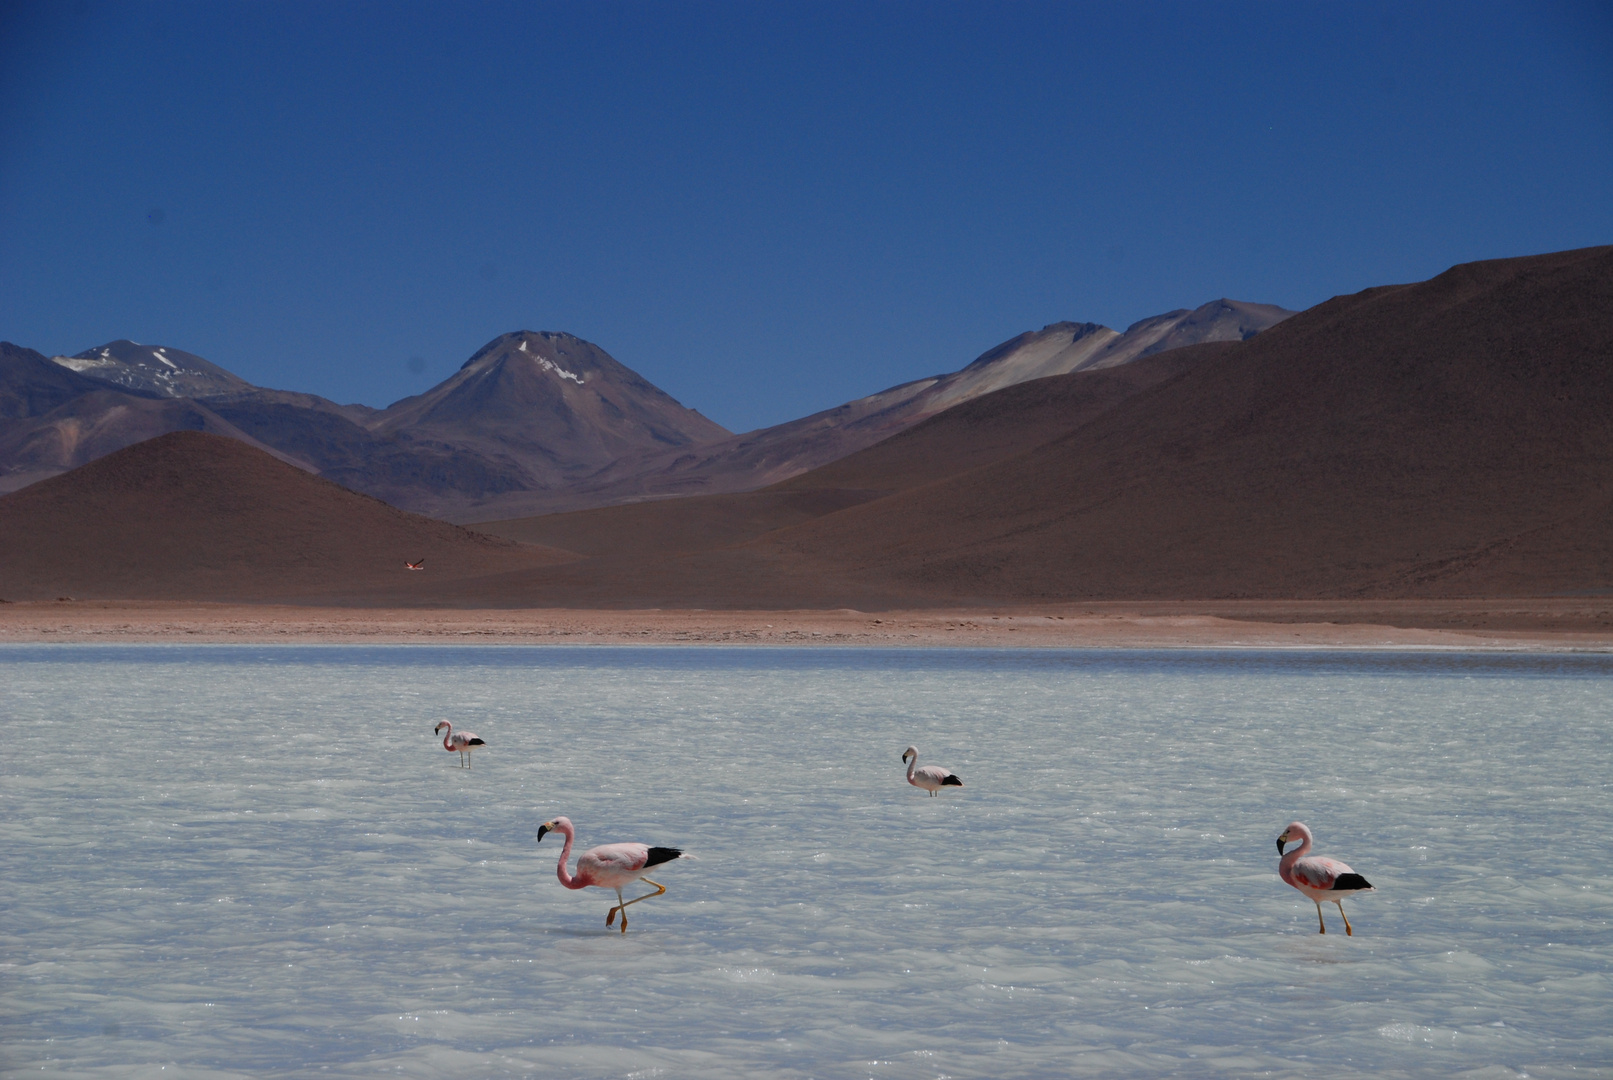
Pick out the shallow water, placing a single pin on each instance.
(232, 860)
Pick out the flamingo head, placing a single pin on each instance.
(559, 825)
(910, 752)
(1295, 831)
(440, 725)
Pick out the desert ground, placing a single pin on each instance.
(1535, 625)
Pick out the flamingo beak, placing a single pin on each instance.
(543, 829)
(1281, 840)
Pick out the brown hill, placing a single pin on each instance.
(100, 421)
(1453, 437)
(191, 516)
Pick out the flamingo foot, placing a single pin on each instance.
(610, 917)
(1347, 931)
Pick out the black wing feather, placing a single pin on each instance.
(1351, 881)
(476, 742)
(952, 780)
(660, 855)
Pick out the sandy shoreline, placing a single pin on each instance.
(1542, 625)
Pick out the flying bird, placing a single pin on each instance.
(463, 741)
(931, 778)
(1317, 877)
(421, 565)
(609, 866)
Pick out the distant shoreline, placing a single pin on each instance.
(1532, 625)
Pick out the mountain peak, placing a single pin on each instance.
(561, 405)
(153, 370)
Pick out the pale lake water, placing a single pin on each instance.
(228, 860)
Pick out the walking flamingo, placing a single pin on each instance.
(931, 778)
(464, 742)
(609, 866)
(1317, 877)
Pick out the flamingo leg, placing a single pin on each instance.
(623, 905)
(1321, 927)
(1347, 931)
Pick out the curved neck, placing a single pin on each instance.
(912, 763)
(447, 733)
(1295, 854)
(560, 870)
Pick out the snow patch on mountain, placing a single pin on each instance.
(549, 365)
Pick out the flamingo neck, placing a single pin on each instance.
(1286, 866)
(560, 870)
(912, 763)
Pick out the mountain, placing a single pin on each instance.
(152, 370)
(1450, 438)
(528, 412)
(560, 406)
(192, 516)
(759, 458)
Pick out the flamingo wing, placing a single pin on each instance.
(937, 775)
(1321, 873)
(626, 858)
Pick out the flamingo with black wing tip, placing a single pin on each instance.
(1317, 877)
(420, 565)
(609, 866)
(463, 741)
(931, 778)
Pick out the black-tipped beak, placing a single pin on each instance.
(541, 830)
(1279, 845)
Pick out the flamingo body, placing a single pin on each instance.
(608, 866)
(461, 741)
(1317, 876)
(931, 778)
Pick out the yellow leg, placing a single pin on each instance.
(1321, 927)
(1347, 931)
(623, 905)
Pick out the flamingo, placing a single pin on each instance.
(931, 778)
(1317, 877)
(464, 742)
(609, 866)
(421, 565)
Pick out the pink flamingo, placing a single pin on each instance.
(421, 565)
(609, 866)
(931, 778)
(1317, 877)
(464, 742)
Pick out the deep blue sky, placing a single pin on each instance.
(766, 209)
